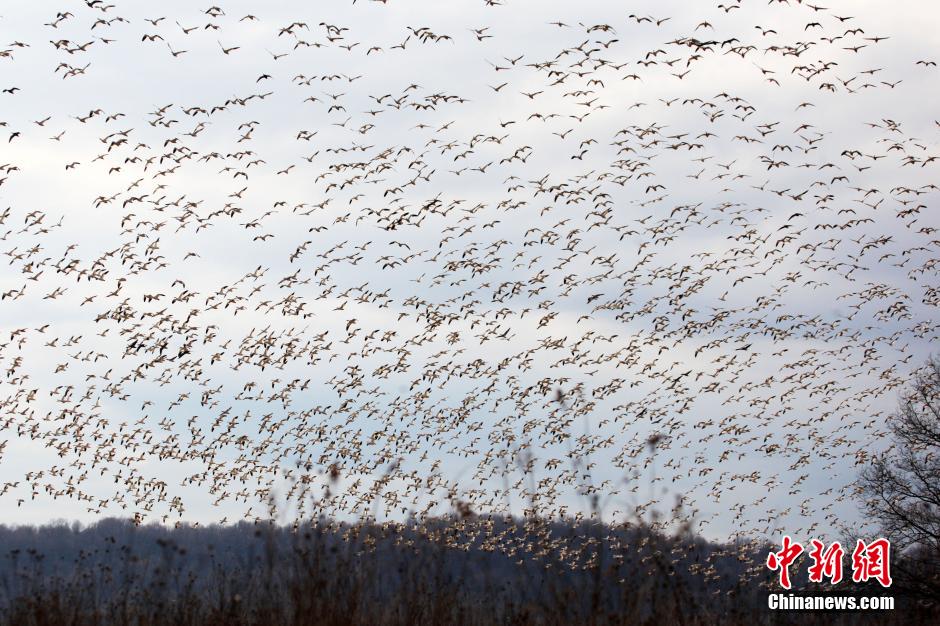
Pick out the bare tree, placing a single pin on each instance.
(902, 487)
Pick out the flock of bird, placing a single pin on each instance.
(592, 260)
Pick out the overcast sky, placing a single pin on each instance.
(708, 224)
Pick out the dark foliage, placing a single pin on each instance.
(902, 487)
(439, 572)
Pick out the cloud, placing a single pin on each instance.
(674, 250)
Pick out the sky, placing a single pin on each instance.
(375, 258)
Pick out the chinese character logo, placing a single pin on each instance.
(872, 561)
(869, 561)
(826, 563)
(782, 560)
